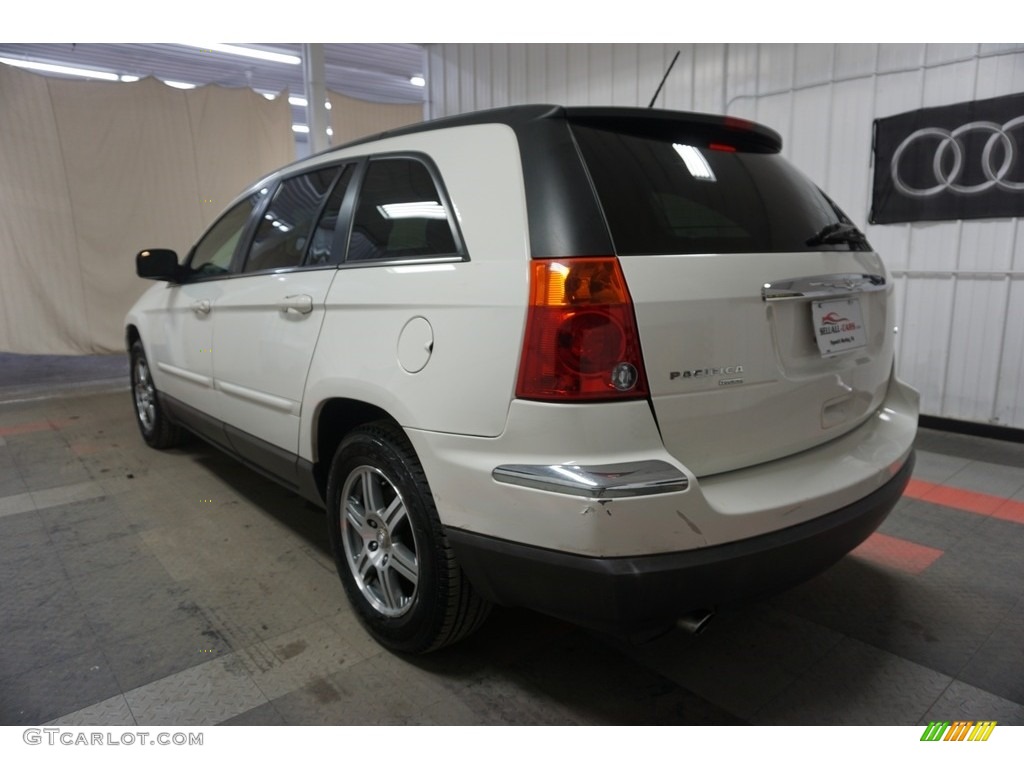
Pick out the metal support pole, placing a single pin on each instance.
(314, 79)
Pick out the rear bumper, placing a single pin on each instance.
(641, 592)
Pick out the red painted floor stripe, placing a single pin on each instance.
(897, 553)
(967, 501)
(30, 426)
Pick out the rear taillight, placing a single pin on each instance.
(581, 339)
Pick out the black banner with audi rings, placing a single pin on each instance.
(964, 161)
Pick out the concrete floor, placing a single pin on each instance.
(179, 588)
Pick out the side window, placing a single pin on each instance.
(322, 243)
(212, 254)
(284, 230)
(399, 214)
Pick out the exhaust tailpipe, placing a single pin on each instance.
(695, 622)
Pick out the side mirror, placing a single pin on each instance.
(158, 264)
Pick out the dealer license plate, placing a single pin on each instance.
(838, 326)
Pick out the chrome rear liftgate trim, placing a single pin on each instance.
(821, 286)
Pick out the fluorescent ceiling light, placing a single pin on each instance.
(130, 78)
(428, 209)
(695, 162)
(58, 69)
(298, 128)
(252, 53)
(302, 101)
(179, 84)
(418, 80)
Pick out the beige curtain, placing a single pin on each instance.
(91, 173)
(353, 119)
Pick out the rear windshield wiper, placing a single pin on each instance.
(838, 232)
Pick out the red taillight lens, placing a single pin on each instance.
(581, 339)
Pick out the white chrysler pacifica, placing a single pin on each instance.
(617, 365)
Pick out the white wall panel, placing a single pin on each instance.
(650, 66)
(924, 344)
(987, 246)
(892, 242)
(949, 84)
(625, 76)
(742, 67)
(961, 313)
(599, 86)
(482, 76)
(777, 111)
(975, 345)
(934, 246)
(1018, 247)
(809, 134)
(855, 60)
(899, 92)
(709, 80)
(848, 178)
(517, 74)
(944, 53)
(578, 78)
(776, 67)
(678, 90)
(499, 76)
(1000, 76)
(1009, 405)
(537, 75)
(894, 57)
(814, 64)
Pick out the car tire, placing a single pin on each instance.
(392, 555)
(157, 430)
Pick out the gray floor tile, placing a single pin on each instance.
(939, 618)
(186, 642)
(23, 535)
(965, 702)
(971, 447)
(991, 479)
(998, 666)
(265, 714)
(295, 659)
(935, 467)
(112, 711)
(203, 695)
(857, 684)
(57, 495)
(44, 693)
(43, 625)
(16, 503)
(745, 658)
(12, 486)
(931, 525)
(235, 604)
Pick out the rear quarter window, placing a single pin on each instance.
(401, 214)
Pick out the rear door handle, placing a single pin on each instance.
(201, 307)
(300, 304)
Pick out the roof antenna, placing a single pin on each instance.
(662, 83)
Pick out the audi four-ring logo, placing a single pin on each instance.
(947, 174)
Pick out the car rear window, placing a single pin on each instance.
(678, 194)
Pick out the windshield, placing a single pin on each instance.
(664, 196)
